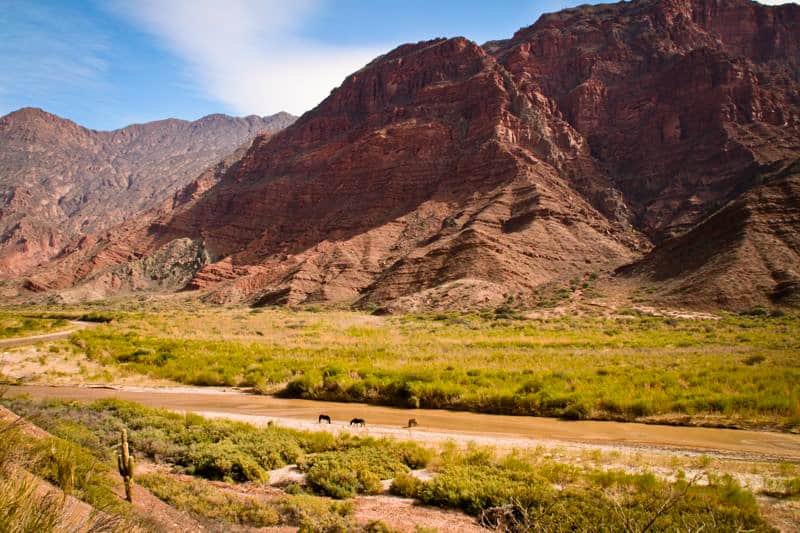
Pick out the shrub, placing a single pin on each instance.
(579, 410)
(312, 514)
(76, 471)
(223, 460)
(361, 469)
(755, 311)
(406, 485)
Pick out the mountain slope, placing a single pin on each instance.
(746, 254)
(447, 174)
(59, 181)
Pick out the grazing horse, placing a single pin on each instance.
(324, 418)
(358, 422)
(412, 423)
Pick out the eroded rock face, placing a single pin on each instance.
(426, 166)
(680, 100)
(746, 254)
(59, 181)
(445, 168)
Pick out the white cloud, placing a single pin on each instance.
(249, 53)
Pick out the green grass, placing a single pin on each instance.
(204, 500)
(15, 325)
(740, 371)
(77, 472)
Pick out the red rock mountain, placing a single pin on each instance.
(59, 181)
(448, 174)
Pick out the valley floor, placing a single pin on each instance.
(157, 357)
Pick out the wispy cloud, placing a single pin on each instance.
(45, 48)
(248, 54)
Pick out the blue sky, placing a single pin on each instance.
(110, 63)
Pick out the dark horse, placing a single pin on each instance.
(412, 423)
(358, 422)
(324, 418)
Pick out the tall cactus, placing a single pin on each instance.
(125, 465)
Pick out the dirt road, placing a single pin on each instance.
(46, 337)
(439, 425)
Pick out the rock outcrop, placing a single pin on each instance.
(447, 168)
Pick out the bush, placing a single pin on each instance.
(223, 460)
(312, 514)
(406, 485)
(577, 411)
(517, 495)
(77, 472)
(360, 470)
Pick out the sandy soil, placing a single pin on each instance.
(404, 514)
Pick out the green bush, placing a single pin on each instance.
(313, 514)
(359, 470)
(223, 460)
(516, 495)
(754, 359)
(406, 485)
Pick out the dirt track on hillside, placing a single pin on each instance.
(45, 337)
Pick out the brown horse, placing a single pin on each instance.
(358, 422)
(324, 418)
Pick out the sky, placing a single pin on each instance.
(109, 63)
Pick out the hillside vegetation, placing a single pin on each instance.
(518, 491)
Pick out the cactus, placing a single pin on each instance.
(125, 465)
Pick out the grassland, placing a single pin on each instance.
(518, 491)
(739, 371)
(16, 325)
